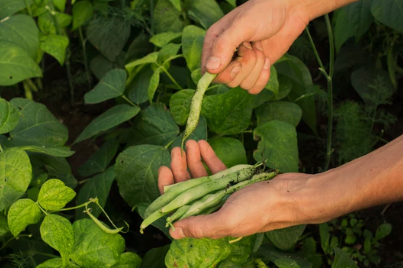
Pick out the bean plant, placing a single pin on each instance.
(141, 60)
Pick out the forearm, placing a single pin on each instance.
(317, 8)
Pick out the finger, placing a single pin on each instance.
(210, 158)
(229, 73)
(252, 78)
(179, 165)
(211, 35)
(247, 57)
(262, 80)
(211, 226)
(165, 177)
(195, 164)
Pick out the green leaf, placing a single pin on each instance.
(46, 22)
(3, 224)
(286, 238)
(137, 90)
(56, 262)
(285, 86)
(93, 247)
(324, 233)
(109, 35)
(9, 7)
(389, 13)
(100, 160)
(100, 65)
(154, 82)
(21, 214)
(228, 113)
(180, 105)
(190, 252)
(128, 260)
(112, 85)
(229, 150)
(277, 145)
(55, 45)
(200, 133)
(343, 28)
(273, 84)
(98, 186)
(150, 58)
(54, 195)
(21, 30)
(192, 45)
(155, 258)
(279, 110)
(15, 176)
(9, 116)
(167, 18)
(282, 259)
(57, 232)
(60, 4)
(53, 151)
(155, 125)
(160, 223)
(383, 230)
(168, 52)
(37, 126)
(360, 17)
(137, 172)
(342, 260)
(109, 119)
(205, 12)
(176, 4)
(162, 39)
(241, 250)
(16, 65)
(82, 13)
(139, 47)
(57, 167)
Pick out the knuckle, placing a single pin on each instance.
(246, 85)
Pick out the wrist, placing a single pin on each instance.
(312, 9)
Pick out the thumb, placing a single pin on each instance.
(211, 226)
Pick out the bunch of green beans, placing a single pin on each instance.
(203, 195)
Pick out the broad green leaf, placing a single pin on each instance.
(57, 167)
(277, 146)
(295, 69)
(383, 230)
(162, 39)
(98, 186)
(205, 12)
(282, 259)
(167, 18)
(55, 45)
(16, 65)
(56, 262)
(324, 233)
(111, 118)
(46, 22)
(21, 30)
(100, 160)
(60, 4)
(389, 13)
(285, 86)
(273, 84)
(155, 125)
(57, 232)
(137, 90)
(54, 195)
(342, 260)
(155, 258)
(240, 250)
(137, 172)
(228, 113)
(229, 150)
(167, 53)
(343, 28)
(190, 252)
(373, 85)
(360, 17)
(200, 133)
(281, 86)
(9, 116)
(21, 214)
(176, 4)
(37, 126)
(101, 65)
(128, 260)
(160, 223)
(279, 110)
(112, 85)
(154, 82)
(192, 45)
(15, 176)
(82, 13)
(3, 224)
(9, 7)
(180, 105)
(139, 47)
(109, 35)
(53, 151)
(286, 238)
(150, 58)
(93, 247)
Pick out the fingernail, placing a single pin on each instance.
(259, 46)
(266, 64)
(247, 44)
(178, 233)
(213, 63)
(235, 71)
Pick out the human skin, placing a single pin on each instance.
(262, 31)
(288, 199)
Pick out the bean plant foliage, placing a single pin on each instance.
(146, 57)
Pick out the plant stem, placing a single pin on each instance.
(172, 79)
(28, 8)
(41, 208)
(95, 200)
(87, 70)
(129, 101)
(69, 77)
(169, 143)
(11, 239)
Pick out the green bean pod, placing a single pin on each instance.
(196, 104)
(177, 214)
(150, 219)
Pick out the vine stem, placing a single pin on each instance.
(329, 78)
(172, 79)
(129, 101)
(95, 200)
(28, 8)
(87, 70)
